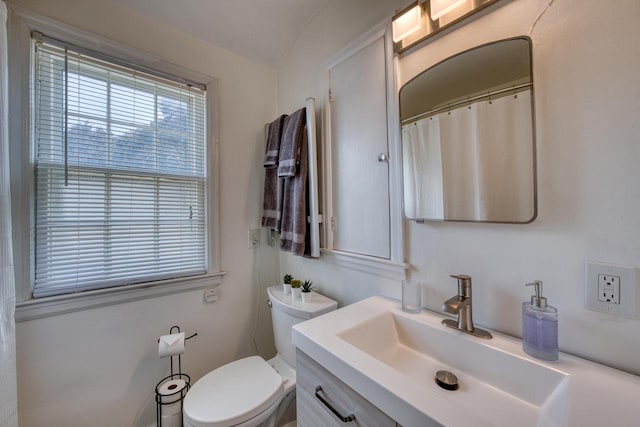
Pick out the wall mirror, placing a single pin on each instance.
(468, 137)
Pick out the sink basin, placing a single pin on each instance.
(498, 386)
(391, 358)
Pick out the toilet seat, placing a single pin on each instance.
(233, 394)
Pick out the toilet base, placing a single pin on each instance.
(285, 414)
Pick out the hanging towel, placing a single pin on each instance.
(293, 234)
(290, 157)
(273, 142)
(273, 186)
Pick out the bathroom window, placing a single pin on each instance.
(120, 173)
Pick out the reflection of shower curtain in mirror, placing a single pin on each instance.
(422, 169)
(485, 169)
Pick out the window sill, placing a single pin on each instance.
(62, 304)
(367, 264)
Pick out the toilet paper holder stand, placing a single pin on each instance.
(172, 395)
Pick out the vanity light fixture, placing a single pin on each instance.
(442, 7)
(425, 18)
(407, 22)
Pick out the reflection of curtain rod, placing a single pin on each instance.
(462, 102)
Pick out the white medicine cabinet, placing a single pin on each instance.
(362, 188)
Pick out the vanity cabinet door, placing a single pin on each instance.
(312, 412)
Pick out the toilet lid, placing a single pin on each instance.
(233, 393)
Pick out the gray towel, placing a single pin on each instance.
(273, 186)
(272, 202)
(293, 234)
(294, 128)
(273, 142)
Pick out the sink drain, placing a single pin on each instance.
(447, 380)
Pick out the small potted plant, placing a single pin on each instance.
(295, 288)
(306, 290)
(286, 284)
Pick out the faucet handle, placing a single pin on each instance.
(464, 283)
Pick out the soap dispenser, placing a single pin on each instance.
(539, 326)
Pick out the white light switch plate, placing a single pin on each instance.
(611, 289)
(211, 295)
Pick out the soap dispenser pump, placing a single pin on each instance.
(539, 326)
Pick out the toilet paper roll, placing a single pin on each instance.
(171, 345)
(170, 397)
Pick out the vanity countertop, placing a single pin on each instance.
(353, 343)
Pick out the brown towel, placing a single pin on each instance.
(294, 205)
(294, 128)
(273, 186)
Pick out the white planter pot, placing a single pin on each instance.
(286, 288)
(295, 292)
(306, 296)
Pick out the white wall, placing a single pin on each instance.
(587, 103)
(99, 367)
(586, 60)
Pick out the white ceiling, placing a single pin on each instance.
(262, 30)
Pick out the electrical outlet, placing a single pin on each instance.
(611, 289)
(253, 238)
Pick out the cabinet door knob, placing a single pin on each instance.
(383, 157)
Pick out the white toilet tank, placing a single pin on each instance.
(286, 312)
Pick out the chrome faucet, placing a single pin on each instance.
(461, 305)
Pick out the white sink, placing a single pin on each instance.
(391, 357)
(498, 386)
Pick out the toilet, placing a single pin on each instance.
(252, 391)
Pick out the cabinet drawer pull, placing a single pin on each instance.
(346, 419)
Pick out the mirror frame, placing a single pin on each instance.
(533, 134)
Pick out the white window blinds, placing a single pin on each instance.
(120, 174)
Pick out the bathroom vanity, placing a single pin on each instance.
(333, 395)
(370, 359)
